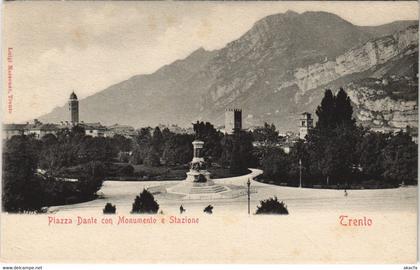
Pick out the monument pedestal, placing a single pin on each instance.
(201, 176)
(198, 185)
(197, 182)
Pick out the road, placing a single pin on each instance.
(122, 194)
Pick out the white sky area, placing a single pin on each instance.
(87, 46)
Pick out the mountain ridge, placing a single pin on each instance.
(250, 72)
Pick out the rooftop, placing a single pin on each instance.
(73, 95)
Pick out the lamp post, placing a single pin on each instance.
(300, 173)
(249, 196)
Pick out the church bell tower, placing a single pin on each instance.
(305, 124)
(74, 109)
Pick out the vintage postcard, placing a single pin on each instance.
(209, 132)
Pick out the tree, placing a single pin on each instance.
(343, 111)
(145, 203)
(206, 132)
(227, 148)
(334, 111)
(272, 206)
(167, 134)
(48, 139)
(90, 179)
(152, 159)
(143, 141)
(122, 143)
(126, 170)
(78, 131)
(400, 158)
(275, 165)
(241, 156)
(21, 187)
(96, 149)
(267, 134)
(50, 159)
(109, 209)
(63, 135)
(326, 112)
(370, 151)
(178, 149)
(332, 143)
(157, 141)
(299, 153)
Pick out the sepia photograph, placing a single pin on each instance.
(210, 132)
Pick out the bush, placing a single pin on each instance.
(272, 206)
(127, 170)
(90, 179)
(109, 209)
(145, 203)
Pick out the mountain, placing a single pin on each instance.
(276, 70)
(146, 99)
(388, 29)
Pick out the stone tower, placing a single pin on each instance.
(305, 124)
(74, 109)
(233, 120)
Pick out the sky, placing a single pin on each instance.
(58, 47)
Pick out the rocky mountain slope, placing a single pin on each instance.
(276, 70)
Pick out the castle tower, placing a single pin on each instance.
(305, 124)
(74, 109)
(233, 120)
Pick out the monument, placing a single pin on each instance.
(198, 169)
(198, 183)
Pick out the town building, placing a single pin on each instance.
(233, 120)
(10, 130)
(305, 124)
(123, 130)
(94, 129)
(36, 129)
(39, 130)
(176, 129)
(74, 109)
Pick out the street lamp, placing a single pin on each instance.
(249, 196)
(300, 173)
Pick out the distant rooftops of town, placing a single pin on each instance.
(93, 129)
(37, 125)
(176, 129)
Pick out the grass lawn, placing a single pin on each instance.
(160, 173)
(144, 173)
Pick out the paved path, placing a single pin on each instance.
(122, 194)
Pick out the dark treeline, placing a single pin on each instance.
(25, 188)
(57, 169)
(338, 153)
(154, 147)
